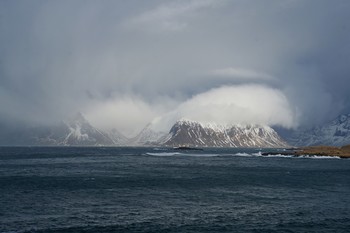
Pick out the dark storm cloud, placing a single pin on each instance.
(119, 60)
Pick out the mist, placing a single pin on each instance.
(124, 64)
(241, 104)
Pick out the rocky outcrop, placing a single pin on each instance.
(327, 151)
(342, 152)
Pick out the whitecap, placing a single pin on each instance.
(204, 155)
(279, 156)
(160, 149)
(182, 154)
(257, 154)
(318, 157)
(164, 154)
(243, 154)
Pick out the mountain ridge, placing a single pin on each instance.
(333, 133)
(193, 133)
(77, 131)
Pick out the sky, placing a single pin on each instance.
(124, 64)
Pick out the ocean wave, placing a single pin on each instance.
(243, 154)
(204, 155)
(299, 156)
(160, 149)
(164, 154)
(259, 154)
(167, 154)
(239, 154)
(318, 157)
(278, 156)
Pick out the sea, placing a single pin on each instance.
(126, 189)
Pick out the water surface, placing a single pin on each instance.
(107, 189)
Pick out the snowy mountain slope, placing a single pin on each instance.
(77, 132)
(81, 132)
(148, 137)
(192, 133)
(333, 133)
(117, 138)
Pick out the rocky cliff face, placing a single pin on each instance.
(333, 133)
(191, 133)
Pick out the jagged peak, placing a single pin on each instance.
(220, 126)
(194, 133)
(186, 121)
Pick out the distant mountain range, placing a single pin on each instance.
(77, 131)
(333, 133)
(195, 134)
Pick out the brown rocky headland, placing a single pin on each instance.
(342, 152)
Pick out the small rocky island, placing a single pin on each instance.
(341, 152)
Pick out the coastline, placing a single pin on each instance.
(330, 151)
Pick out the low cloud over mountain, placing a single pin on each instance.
(126, 63)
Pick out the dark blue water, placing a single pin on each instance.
(155, 190)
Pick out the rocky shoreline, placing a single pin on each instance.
(341, 152)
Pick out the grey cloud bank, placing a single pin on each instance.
(125, 63)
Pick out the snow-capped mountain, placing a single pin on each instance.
(81, 132)
(148, 137)
(77, 132)
(192, 133)
(333, 133)
(117, 138)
